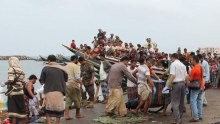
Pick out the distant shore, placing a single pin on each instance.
(18, 56)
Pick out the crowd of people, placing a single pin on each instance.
(189, 74)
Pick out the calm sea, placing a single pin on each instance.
(29, 66)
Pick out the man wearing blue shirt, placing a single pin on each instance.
(206, 77)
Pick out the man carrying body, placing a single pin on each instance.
(73, 93)
(116, 99)
(177, 79)
(145, 85)
(87, 74)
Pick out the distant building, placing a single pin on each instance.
(211, 50)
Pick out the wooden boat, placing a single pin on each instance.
(43, 58)
(158, 99)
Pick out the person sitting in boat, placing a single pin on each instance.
(89, 53)
(119, 49)
(117, 40)
(82, 48)
(133, 53)
(73, 44)
(109, 49)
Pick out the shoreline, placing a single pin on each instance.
(18, 56)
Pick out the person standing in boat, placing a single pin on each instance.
(73, 93)
(88, 75)
(73, 44)
(54, 76)
(103, 72)
(116, 74)
(16, 103)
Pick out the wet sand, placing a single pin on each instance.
(211, 113)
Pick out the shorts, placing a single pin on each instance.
(144, 91)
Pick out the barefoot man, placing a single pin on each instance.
(73, 93)
(116, 101)
(145, 85)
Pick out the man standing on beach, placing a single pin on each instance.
(54, 76)
(88, 75)
(73, 93)
(177, 79)
(103, 72)
(116, 101)
(206, 77)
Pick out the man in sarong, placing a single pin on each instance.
(54, 76)
(145, 86)
(116, 101)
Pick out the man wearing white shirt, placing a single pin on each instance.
(177, 79)
(132, 91)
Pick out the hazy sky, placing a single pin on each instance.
(34, 27)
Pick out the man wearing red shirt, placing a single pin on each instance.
(196, 74)
(73, 45)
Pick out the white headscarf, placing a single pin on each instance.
(14, 62)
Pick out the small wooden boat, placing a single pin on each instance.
(43, 58)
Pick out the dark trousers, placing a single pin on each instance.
(90, 90)
(177, 100)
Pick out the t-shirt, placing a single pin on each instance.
(143, 71)
(130, 83)
(195, 74)
(73, 71)
(73, 45)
